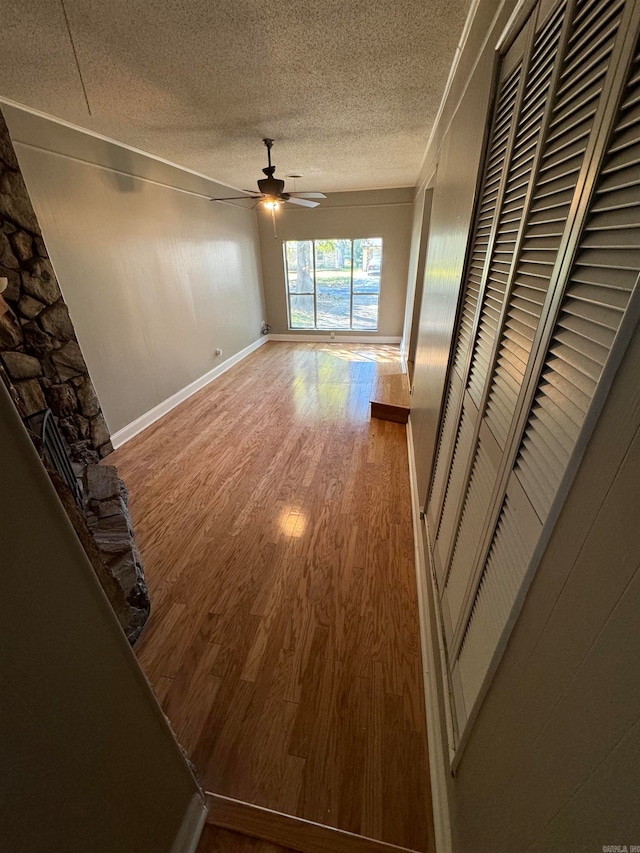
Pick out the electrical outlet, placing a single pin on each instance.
(333, 336)
(218, 352)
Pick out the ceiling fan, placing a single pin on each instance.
(271, 194)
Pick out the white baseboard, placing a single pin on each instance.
(128, 432)
(188, 837)
(338, 339)
(430, 664)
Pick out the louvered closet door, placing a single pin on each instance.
(450, 471)
(481, 463)
(466, 329)
(591, 306)
(604, 274)
(588, 56)
(580, 73)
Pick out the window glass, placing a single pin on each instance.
(299, 266)
(333, 283)
(302, 316)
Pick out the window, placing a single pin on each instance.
(333, 284)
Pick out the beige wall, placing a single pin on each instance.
(88, 760)
(368, 213)
(155, 278)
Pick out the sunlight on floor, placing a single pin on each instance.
(377, 353)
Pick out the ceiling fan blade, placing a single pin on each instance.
(254, 193)
(307, 195)
(303, 202)
(232, 198)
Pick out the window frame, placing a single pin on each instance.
(314, 291)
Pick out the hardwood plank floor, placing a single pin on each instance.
(216, 840)
(273, 516)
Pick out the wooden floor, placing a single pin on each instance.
(215, 840)
(273, 516)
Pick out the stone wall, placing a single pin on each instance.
(42, 366)
(40, 355)
(107, 514)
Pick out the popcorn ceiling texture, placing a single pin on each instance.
(349, 90)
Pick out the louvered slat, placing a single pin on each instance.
(447, 436)
(501, 579)
(456, 479)
(587, 58)
(486, 213)
(605, 271)
(504, 245)
(473, 514)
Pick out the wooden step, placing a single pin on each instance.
(390, 400)
(294, 833)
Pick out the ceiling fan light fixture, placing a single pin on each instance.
(271, 192)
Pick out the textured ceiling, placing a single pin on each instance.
(349, 89)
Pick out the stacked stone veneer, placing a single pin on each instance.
(42, 366)
(40, 353)
(107, 515)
